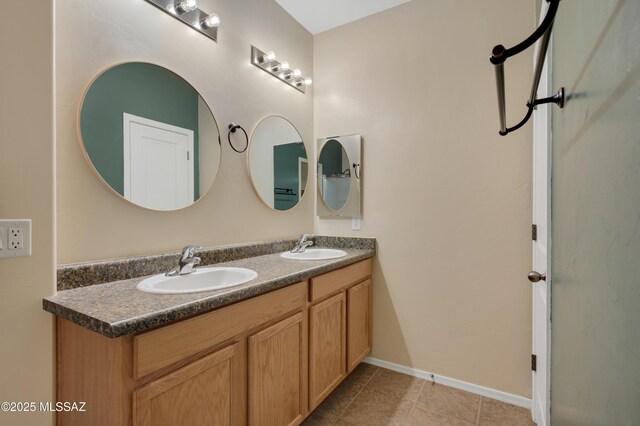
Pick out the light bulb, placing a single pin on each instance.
(284, 66)
(185, 6)
(267, 57)
(297, 72)
(211, 21)
(308, 82)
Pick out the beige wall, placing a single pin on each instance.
(93, 223)
(447, 198)
(26, 185)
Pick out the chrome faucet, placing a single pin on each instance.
(187, 263)
(302, 244)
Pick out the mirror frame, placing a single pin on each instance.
(352, 145)
(248, 163)
(92, 167)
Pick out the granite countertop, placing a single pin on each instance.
(118, 308)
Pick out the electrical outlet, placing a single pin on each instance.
(15, 237)
(355, 223)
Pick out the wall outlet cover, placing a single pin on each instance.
(15, 237)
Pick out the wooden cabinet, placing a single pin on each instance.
(202, 393)
(327, 347)
(339, 327)
(358, 323)
(277, 360)
(268, 360)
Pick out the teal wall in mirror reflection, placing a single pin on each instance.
(286, 174)
(278, 164)
(331, 158)
(141, 89)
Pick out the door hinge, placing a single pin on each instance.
(534, 232)
(534, 363)
(187, 155)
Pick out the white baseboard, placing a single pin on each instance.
(520, 401)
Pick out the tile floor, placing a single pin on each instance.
(373, 396)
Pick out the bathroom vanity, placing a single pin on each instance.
(267, 354)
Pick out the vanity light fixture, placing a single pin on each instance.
(280, 70)
(187, 11)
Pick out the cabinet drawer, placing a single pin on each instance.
(165, 346)
(337, 280)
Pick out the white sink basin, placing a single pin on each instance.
(203, 279)
(315, 254)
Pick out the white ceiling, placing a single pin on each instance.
(322, 15)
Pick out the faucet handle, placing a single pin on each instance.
(188, 251)
(304, 238)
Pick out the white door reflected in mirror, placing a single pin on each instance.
(158, 164)
(150, 136)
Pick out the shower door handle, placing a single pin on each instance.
(535, 277)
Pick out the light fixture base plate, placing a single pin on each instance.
(268, 67)
(192, 18)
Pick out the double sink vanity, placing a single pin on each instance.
(276, 334)
(252, 333)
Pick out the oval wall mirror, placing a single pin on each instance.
(278, 163)
(150, 136)
(334, 175)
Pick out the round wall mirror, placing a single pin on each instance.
(334, 175)
(150, 136)
(278, 163)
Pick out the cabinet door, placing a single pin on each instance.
(358, 323)
(204, 392)
(276, 371)
(327, 354)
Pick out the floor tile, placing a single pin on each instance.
(342, 396)
(422, 417)
(338, 400)
(319, 418)
(362, 374)
(395, 386)
(497, 413)
(373, 396)
(376, 409)
(449, 401)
